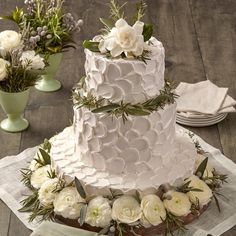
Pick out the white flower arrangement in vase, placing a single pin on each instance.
(49, 30)
(20, 69)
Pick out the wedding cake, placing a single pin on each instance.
(122, 168)
(140, 153)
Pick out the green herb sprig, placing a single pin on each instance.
(166, 96)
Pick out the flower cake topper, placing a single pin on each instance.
(121, 39)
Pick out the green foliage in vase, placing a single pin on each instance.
(49, 27)
(19, 77)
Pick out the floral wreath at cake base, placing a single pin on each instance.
(169, 208)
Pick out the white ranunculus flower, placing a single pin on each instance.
(203, 197)
(3, 69)
(98, 212)
(124, 38)
(126, 209)
(177, 203)
(68, 203)
(9, 40)
(153, 209)
(46, 193)
(36, 62)
(39, 176)
(209, 169)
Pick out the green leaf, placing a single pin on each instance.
(83, 212)
(107, 22)
(107, 108)
(80, 188)
(217, 202)
(46, 157)
(29, 202)
(92, 46)
(137, 112)
(147, 31)
(201, 168)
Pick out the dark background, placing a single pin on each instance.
(199, 38)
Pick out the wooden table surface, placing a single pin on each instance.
(199, 38)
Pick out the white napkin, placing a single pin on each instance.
(203, 98)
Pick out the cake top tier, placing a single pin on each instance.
(131, 81)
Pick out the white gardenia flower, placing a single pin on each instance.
(203, 197)
(46, 193)
(124, 38)
(126, 209)
(153, 209)
(209, 169)
(39, 176)
(9, 40)
(98, 212)
(177, 203)
(3, 69)
(36, 62)
(68, 203)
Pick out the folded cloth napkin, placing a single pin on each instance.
(203, 98)
(48, 228)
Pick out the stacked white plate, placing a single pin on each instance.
(199, 120)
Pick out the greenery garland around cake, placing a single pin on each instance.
(121, 40)
(118, 213)
(81, 98)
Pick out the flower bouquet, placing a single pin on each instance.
(49, 31)
(19, 70)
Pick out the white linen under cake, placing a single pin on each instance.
(211, 222)
(203, 98)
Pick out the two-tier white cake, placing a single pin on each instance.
(105, 152)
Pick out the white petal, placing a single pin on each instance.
(139, 46)
(116, 51)
(138, 27)
(121, 23)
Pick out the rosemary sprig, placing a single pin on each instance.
(166, 96)
(196, 143)
(140, 11)
(172, 222)
(116, 11)
(186, 188)
(26, 176)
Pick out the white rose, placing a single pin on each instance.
(153, 209)
(68, 203)
(40, 176)
(177, 203)
(36, 62)
(46, 193)
(3, 69)
(9, 40)
(124, 38)
(98, 212)
(209, 169)
(126, 209)
(203, 197)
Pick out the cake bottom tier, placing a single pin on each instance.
(182, 156)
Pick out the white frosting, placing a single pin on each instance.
(146, 175)
(142, 153)
(129, 80)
